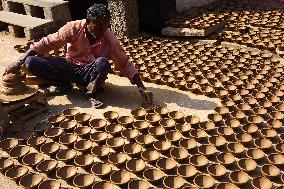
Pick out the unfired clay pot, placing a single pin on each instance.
(101, 169)
(204, 181)
(66, 154)
(100, 151)
(186, 170)
(5, 163)
(135, 165)
(173, 182)
(111, 116)
(239, 177)
(16, 172)
(49, 184)
(66, 172)
(153, 175)
(46, 166)
(83, 180)
(141, 184)
(30, 180)
(120, 177)
(32, 159)
(261, 182)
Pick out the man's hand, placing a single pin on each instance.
(147, 95)
(13, 68)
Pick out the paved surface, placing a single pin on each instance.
(120, 96)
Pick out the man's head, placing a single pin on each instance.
(98, 19)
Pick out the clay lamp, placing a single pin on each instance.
(236, 148)
(183, 128)
(250, 129)
(19, 151)
(83, 145)
(270, 134)
(263, 143)
(135, 165)
(101, 169)
(36, 141)
(207, 150)
(261, 182)
(162, 111)
(130, 134)
(216, 170)
(166, 164)
(276, 159)
(105, 185)
(66, 155)
(226, 158)
(192, 120)
(153, 118)
(150, 155)
(84, 160)
(204, 181)
(247, 165)
(56, 119)
(70, 113)
(117, 158)
(173, 182)
(82, 118)
(137, 183)
(139, 113)
(116, 142)
(68, 125)
(32, 159)
(167, 123)
(162, 145)
(66, 172)
(157, 132)
(239, 178)
(141, 125)
(255, 154)
(226, 185)
(99, 136)
(227, 132)
(280, 147)
(132, 149)
(8, 143)
(125, 120)
(50, 148)
(240, 115)
(83, 180)
(114, 129)
(186, 170)
(120, 177)
(16, 172)
(176, 115)
(100, 151)
(30, 180)
(277, 115)
(244, 138)
(47, 166)
(153, 175)
(5, 164)
(53, 133)
(49, 184)
(199, 134)
(179, 153)
(233, 123)
(68, 139)
(198, 160)
(223, 111)
(271, 171)
(145, 140)
(98, 124)
(82, 131)
(217, 140)
(111, 116)
(173, 136)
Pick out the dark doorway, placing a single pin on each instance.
(78, 8)
(153, 14)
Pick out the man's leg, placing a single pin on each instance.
(94, 76)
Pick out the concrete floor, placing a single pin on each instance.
(119, 96)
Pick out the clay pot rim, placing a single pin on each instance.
(207, 145)
(252, 163)
(83, 156)
(153, 114)
(66, 166)
(251, 157)
(117, 139)
(141, 124)
(158, 155)
(120, 155)
(16, 148)
(274, 154)
(101, 147)
(259, 177)
(105, 136)
(160, 141)
(47, 160)
(137, 139)
(184, 165)
(267, 174)
(41, 158)
(175, 163)
(236, 172)
(110, 112)
(121, 121)
(108, 167)
(186, 154)
(84, 175)
(57, 145)
(120, 171)
(132, 144)
(64, 150)
(82, 127)
(73, 140)
(31, 174)
(153, 169)
(216, 164)
(226, 153)
(49, 180)
(26, 168)
(91, 123)
(135, 159)
(204, 175)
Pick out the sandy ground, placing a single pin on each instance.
(119, 96)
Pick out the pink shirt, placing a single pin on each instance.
(79, 50)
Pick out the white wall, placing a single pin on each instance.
(184, 5)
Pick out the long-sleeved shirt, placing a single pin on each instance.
(81, 52)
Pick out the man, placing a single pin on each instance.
(90, 43)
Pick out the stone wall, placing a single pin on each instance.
(184, 5)
(125, 19)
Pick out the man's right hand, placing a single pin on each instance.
(13, 68)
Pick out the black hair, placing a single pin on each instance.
(98, 12)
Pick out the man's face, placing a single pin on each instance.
(98, 28)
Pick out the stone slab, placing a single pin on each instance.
(40, 3)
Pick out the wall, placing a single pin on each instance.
(184, 5)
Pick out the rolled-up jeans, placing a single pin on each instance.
(58, 70)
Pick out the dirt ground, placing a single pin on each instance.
(119, 96)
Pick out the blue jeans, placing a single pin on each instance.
(58, 70)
